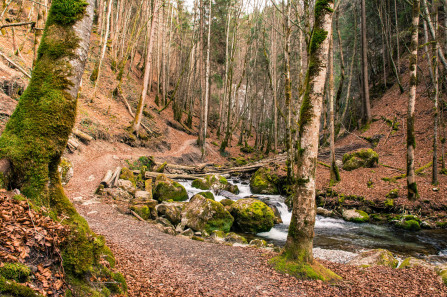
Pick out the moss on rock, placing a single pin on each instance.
(166, 189)
(362, 158)
(263, 182)
(216, 183)
(252, 216)
(207, 195)
(202, 214)
(375, 257)
(355, 215)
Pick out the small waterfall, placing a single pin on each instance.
(336, 234)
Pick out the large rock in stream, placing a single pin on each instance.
(216, 183)
(166, 189)
(202, 214)
(252, 216)
(263, 182)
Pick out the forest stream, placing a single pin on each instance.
(337, 234)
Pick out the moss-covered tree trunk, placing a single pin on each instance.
(411, 141)
(37, 133)
(301, 231)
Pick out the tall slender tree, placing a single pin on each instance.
(411, 139)
(365, 76)
(297, 257)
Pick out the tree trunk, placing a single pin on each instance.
(207, 86)
(37, 133)
(411, 141)
(335, 175)
(103, 51)
(365, 84)
(435, 45)
(301, 231)
(147, 71)
(288, 92)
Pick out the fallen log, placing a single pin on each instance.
(115, 176)
(84, 137)
(72, 145)
(137, 216)
(107, 179)
(174, 176)
(15, 65)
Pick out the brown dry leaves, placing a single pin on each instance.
(33, 239)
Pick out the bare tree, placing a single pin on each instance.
(411, 140)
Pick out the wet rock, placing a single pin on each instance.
(228, 195)
(263, 182)
(226, 202)
(374, 258)
(235, 238)
(65, 170)
(166, 189)
(252, 216)
(278, 219)
(205, 214)
(355, 215)
(171, 210)
(216, 183)
(258, 243)
(207, 195)
(324, 212)
(362, 158)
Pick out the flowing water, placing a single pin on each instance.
(337, 234)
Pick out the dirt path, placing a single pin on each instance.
(157, 264)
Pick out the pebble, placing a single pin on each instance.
(336, 256)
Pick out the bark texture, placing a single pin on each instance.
(301, 231)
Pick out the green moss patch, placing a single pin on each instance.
(15, 271)
(166, 189)
(362, 158)
(263, 182)
(303, 270)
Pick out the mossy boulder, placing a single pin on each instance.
(411, 262)
(117, 194)
(207, 195)
(410, 224)
(216, 183)
(227, 202)
(263, 182)
(252, 216)
(65, 170)
(362, 158)
(202, 214)
(166, 189)
(235, 238)
(142, 210)
(442, 271)
(258, 243)
(127, 174)
(355, 215)
(374, 258)
(171, 211)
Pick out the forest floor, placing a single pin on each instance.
(157, 264)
